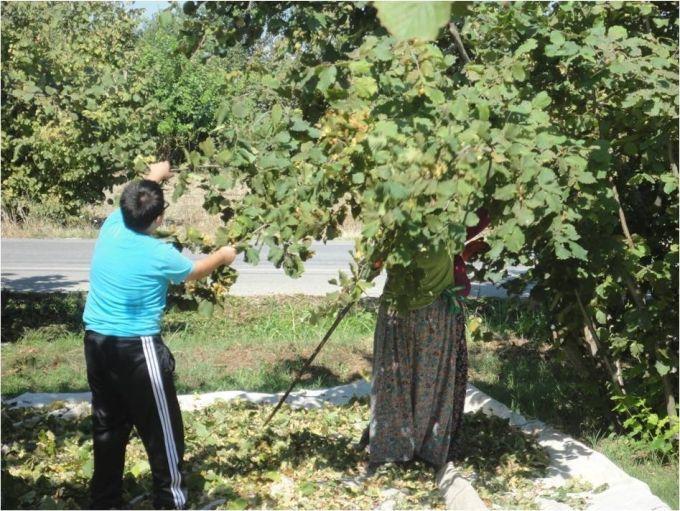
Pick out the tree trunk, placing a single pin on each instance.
(598, 345)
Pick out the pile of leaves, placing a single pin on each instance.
(304, 459)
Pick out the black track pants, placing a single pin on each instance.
(131, 379)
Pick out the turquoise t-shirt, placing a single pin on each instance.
(129, 279)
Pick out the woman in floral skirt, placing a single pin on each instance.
(420, 360)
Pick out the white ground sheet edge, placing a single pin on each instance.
(569, 458)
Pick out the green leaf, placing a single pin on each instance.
(307, 488)
(223, 157)
(360, 67)
(87, 469)
(661, 368)
(436, 96)
(252, 256)
(238, 503)
(365, 86)
(139, 468)
(518, 72)
(386, 128)
(523, 108)
(617, 32)
(275, 255)
(222, 113)
(524, 216)
(541, 100)
(221, 236)
(471, 219)
(636, 349)
(407, 20)
(557, 38)
(221, 180)
(514, 241)
(578, 251)
(561, 252)
(238, 109)
(370, 229)
(270, 81)
(299, 124)
(326, 78)
(276, 115)
(396, 190)
(180, 188)
(483, 111)
(526, 47)
(208, 147)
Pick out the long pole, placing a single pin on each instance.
(338, 318)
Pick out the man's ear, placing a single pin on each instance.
(155, 224)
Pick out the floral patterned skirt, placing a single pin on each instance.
(419, 381)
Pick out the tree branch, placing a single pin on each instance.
(459, 42)
(634, 291)
(622, 215)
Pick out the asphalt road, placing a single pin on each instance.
(48, 265)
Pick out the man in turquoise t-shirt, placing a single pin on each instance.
(129, 368)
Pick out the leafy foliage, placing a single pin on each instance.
(564, 126)
(185, 92)
(88, 90)
(73, 117)
(611, 73)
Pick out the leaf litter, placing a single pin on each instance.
(304, 459)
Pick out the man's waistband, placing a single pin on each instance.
(121, 338)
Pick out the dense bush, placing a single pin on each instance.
(72, 116)
(186, 92)
(88, 88)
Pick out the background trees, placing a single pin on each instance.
(73, 118)
(87, 88)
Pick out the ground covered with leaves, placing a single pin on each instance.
(305, 459)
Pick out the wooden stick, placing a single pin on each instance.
(338, 318)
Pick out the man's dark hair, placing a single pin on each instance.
(141, 202)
